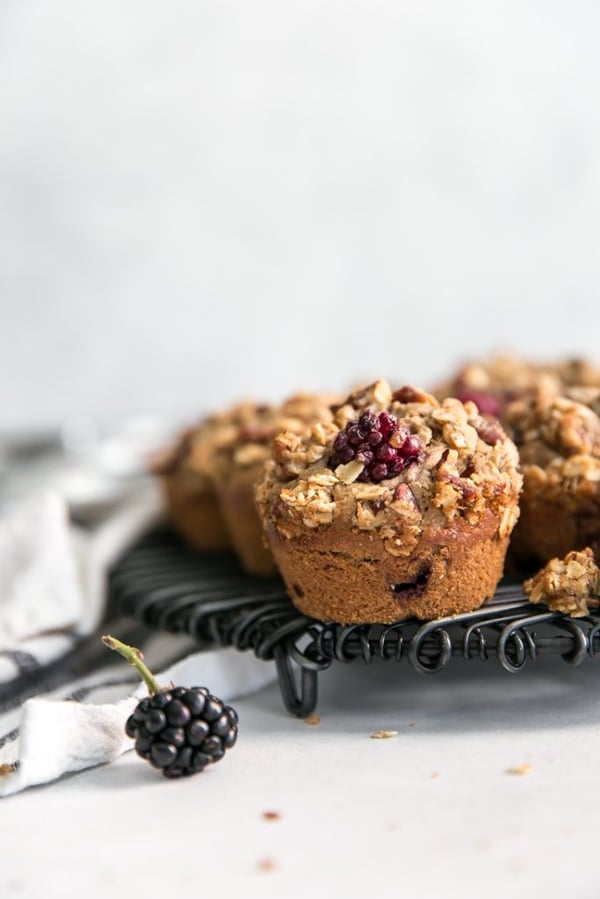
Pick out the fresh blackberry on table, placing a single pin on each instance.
(179, 730)
(379, 442)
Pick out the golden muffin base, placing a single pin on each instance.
(193, 510)
(551, 527)
(349, 577)
(239, 511)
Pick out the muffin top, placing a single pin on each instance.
(577, 372)
(240, 436)
(392, 463)
(494, 383)
(588, 395)
(558, 439)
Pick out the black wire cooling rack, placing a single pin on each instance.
(170, 587)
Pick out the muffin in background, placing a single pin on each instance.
(186, 474)
(558, 439)
(243, 452)
(209, 474)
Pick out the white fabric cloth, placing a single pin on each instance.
(40, 587)
(52, 574)
(53, 579)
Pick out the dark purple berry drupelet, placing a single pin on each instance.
(181, 730)
(378, 440)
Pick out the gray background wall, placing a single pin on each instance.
(201, 200)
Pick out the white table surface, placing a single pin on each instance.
(430, 812)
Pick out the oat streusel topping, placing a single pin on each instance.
(496, 382)
(493, 383)
(570, 585)
(559, 442)
(241, 436)
(461, 466)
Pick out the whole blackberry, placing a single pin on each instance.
(179, 730)
(380, 442)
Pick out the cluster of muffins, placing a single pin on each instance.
(398, 503)
(209, 474)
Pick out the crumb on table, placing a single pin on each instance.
(520, 770)
(384, 734)
(271, 816)
(266, 864)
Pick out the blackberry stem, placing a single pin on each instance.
(135, 658)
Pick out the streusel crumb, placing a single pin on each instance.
(570, 585)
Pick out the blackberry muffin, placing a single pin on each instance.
(558, 438)
(400, 506)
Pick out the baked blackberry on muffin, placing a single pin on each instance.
(401, 506)
(558, 438)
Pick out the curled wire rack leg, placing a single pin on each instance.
(300, 694)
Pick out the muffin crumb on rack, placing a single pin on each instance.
(570, 585)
